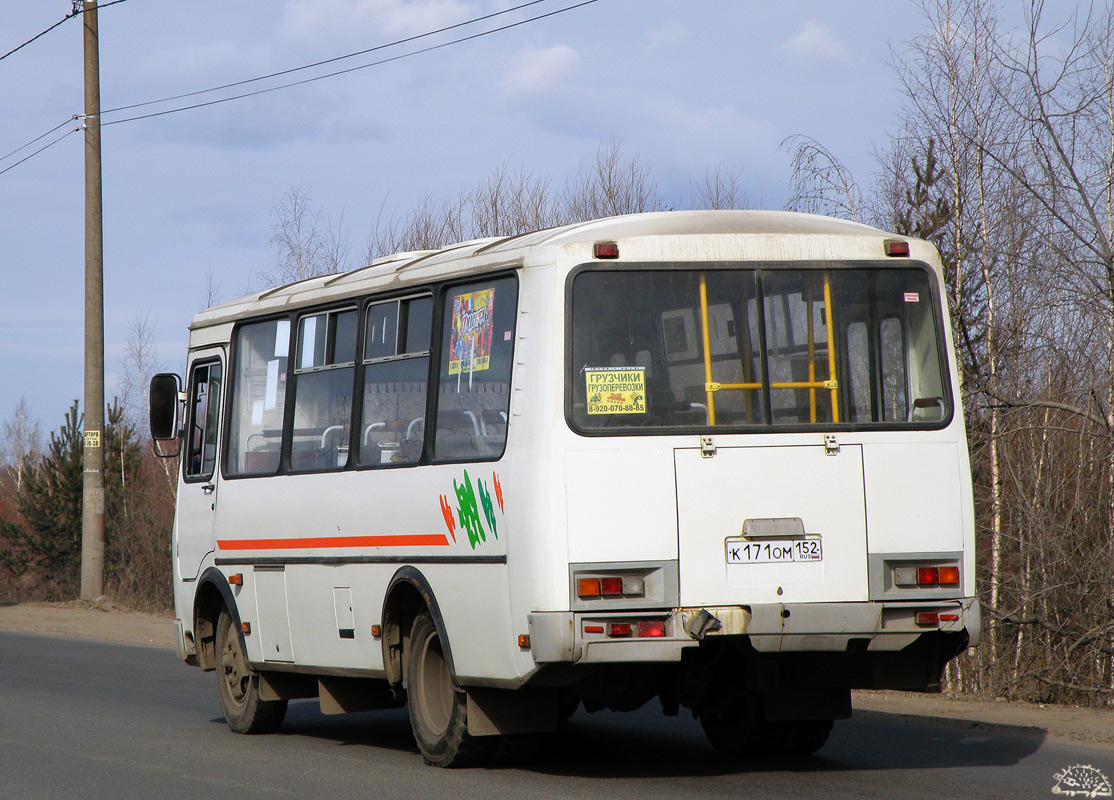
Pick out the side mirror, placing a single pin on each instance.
(165, 389)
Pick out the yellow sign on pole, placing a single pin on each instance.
(92, 438)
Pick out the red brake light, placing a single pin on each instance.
(606, 250)
(895, 247)
(928, 576)
(652, 629)
(611, 587)
(618, 629)
(927, 618)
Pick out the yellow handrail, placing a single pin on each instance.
(712, 386)
(811, 352)
(707, 350)
(830, 328)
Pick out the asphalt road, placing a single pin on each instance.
(90, 720)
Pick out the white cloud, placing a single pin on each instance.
(536, 71)
(814, 41)
(324, 21)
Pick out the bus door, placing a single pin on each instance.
(197, 492)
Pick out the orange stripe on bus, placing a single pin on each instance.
(317, 543)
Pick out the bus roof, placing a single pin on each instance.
(415, 267)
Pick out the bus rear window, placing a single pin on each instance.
(690, 348)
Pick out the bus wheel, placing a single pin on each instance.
(238, 686)
(438, 709)
(741, 728)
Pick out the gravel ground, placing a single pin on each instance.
(107, 622)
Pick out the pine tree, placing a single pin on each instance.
(48, 542)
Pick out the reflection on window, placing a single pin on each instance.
(473, 398)
(323, 390)
(696, 348)
(396, 373)
(259, 353)
(204, 411)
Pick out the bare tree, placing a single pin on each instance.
(613, 184)
(821, 183)
(305, 247)
(720, 189)
(507, 203)
(20, 443)
(212, 289)
(139, 363)
(430, 225)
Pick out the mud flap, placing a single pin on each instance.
(493, 712)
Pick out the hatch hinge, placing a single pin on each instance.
(707, 447)
(831, 446)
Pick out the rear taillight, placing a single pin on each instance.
(926, 576)
(611, 586)
(626, 629)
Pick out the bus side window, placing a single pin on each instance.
(259, 356)
(473, 400)
(396, 377)
(201, 444)
(324, 376)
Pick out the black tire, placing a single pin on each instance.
(238, 685)
(438, 708)
(741, 728)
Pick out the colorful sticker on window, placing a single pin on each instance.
(912, 297)
(470, 341)
(616, 390)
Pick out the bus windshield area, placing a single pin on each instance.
(703, 348)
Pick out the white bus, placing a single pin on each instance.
(714, 458)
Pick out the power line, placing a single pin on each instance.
(395, 43)
(37, 138)
(350, 69)
(71, 15)
(294, 69)
(44, 147)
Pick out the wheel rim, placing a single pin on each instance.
(234, 669)
(435, 686)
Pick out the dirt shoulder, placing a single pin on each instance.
(1093, 727)
(79, 619)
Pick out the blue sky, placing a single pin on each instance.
(684, 84)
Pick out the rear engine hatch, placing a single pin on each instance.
(806, 537)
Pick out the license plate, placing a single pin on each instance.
(773, 552)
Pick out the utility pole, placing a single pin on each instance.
(92, 507)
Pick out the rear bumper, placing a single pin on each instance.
(576, 637)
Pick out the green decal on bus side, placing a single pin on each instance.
(468, 509)
(489, 508)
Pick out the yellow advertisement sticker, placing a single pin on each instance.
(616, 390)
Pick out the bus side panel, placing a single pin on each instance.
(914, 501)
(621, 503)
(342, 536)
